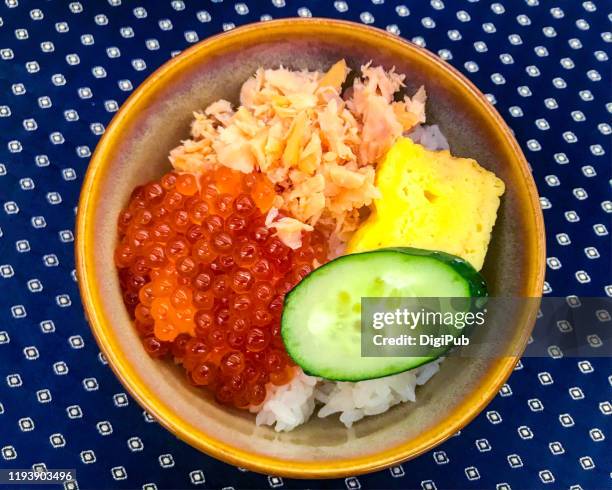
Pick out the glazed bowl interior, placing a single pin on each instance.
(135, 149)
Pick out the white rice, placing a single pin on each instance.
(288, 405)
(429, 136)
(354, 401)
(291, 405)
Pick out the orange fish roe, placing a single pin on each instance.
(204, 279)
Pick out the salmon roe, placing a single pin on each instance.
(204, 279)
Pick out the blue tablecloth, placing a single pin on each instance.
(65, 68)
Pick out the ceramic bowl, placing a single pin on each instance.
(134, 149)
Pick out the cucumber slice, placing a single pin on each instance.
(321, 321)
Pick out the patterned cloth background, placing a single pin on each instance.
(65, 68)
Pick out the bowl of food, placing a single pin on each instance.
(250, 192)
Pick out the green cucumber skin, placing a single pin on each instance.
(386, 374)
(476, 286)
